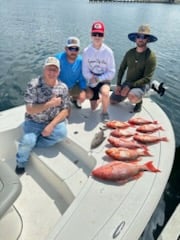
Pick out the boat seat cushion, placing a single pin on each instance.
(10, 187)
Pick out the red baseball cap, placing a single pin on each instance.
(98, 27)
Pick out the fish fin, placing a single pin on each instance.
(147, 153)
(145, 148)
(138, 175)
(122, 182)
(151, 168)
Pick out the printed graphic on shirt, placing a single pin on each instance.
(97, 66)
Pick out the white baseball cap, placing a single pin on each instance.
(73, 42)
(52, 61)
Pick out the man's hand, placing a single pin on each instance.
(124, 91)
(47, 130)
(93, 80)
(54, 102)
(117, 90)
(37, 108)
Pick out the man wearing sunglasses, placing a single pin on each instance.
(98, 69)
(140, 63)
(71, 71)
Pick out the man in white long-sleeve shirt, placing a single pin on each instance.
(98, 69)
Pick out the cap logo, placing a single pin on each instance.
(72, 41)
(52, 61)
(97, 26)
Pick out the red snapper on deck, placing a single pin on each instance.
(141, 121)
(147, 138)
(117, 124)
(125, 154)
(121, 142)
(149, 128)
(122, 172)
(122, 133)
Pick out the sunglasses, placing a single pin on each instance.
(97, 34)
(73, 49)
(142, 36)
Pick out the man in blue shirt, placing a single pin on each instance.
(71, 71)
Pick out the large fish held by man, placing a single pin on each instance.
(125, 154)
(123, 172)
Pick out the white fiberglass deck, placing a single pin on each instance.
(60, 199)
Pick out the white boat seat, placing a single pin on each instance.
(68, 161)
(10, 187)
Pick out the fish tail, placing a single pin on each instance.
(165, 139)
(150, 167)
(161, 128)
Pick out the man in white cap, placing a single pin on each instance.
(71, 71)
(98, 69)
(47, 106)
(140, 63)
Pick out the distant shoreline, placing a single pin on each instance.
(139, 1)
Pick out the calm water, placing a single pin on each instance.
(32, 30)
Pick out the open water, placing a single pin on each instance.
(32, 30)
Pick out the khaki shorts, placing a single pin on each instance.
(138, 92)
(75, 91)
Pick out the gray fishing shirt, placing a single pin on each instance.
(38, 92)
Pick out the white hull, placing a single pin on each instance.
(60, 200)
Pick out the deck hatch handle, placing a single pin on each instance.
(118, 229)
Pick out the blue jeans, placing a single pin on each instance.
(32, 138)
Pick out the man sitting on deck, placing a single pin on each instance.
(47, 106)
(140, 63)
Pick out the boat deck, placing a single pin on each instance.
(58, 189)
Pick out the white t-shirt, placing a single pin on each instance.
(98, 62)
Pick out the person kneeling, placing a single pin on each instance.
(140, 63)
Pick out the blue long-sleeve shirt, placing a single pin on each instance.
(71, 73)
